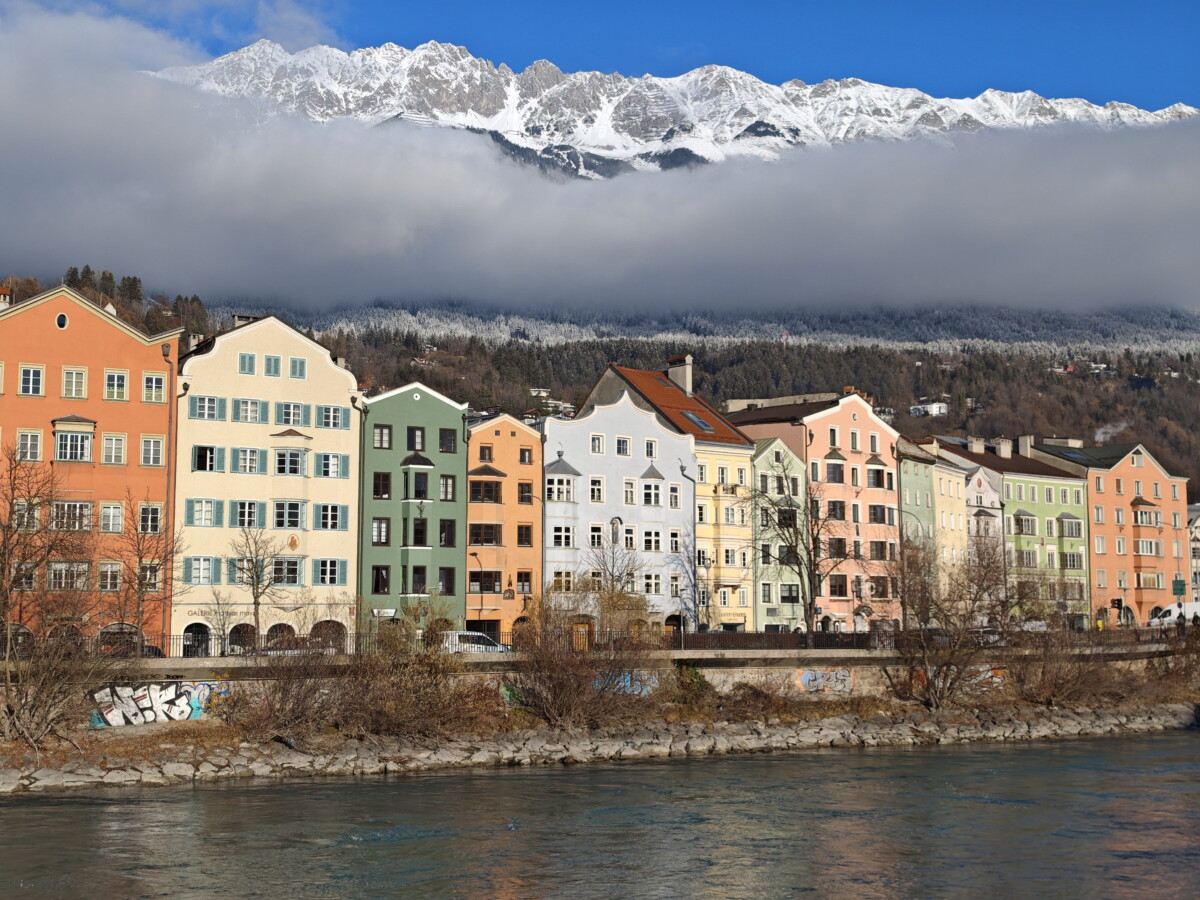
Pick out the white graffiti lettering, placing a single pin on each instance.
(122, 704)
(825, 681)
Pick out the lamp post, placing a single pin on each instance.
(695, 562)
(479, 563)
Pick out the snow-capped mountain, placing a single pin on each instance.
(594, 124)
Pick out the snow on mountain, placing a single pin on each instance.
(595, 124)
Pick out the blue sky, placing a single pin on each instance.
(1141, 53)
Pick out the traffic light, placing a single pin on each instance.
(1116, 603)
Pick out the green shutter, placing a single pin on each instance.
(345, 418)
(260, 515)
(344, 465)
(216, 569)
(264, 412)
(343, 518)
(233, 459)
(306, 415)
(262, 462)
(187, 567)
(320, 416)
(191, 407)
(189, 514)
(342, 566)
(218, 513)
(231, 571)
(316, 516)
(234, 415)
(220, 459)
(194, 449)
(316, 571)
(278, 413)
(221, 408)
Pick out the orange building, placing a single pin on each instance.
(504, 523)
(1137, 520)
(87, 399)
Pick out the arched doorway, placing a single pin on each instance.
(119, 639)
(329, 634)
(242, 638)
(826, 624)
(20, 639)
(673, 622)
(281, 636)
(583, 632)
(1154, 612)
(196, 639)
(1127, 616)
(66, 636)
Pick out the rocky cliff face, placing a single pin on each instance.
(597, 125)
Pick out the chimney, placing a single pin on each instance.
(1063, 442)
(1003, 448)
(191, 341)
(1025, 445)
(240, 319)
(679, 370)
(974, 444)
(341, 362)
(5, 298)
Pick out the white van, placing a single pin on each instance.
(471, 642)
(1170, 615)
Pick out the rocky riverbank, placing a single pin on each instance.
(163, 762)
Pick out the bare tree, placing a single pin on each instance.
(611, 572)
(253, 551)
(222, 613)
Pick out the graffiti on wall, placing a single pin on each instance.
(171, 701)
(825, 681)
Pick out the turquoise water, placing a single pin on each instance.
(1115, 817)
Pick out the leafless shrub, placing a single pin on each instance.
(292, 697)
(1055, 667)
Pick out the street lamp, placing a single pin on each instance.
(479, 563)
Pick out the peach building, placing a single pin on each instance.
(504, 522)
(88, 397)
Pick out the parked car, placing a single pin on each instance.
(128, 650)
(1169, 617)
(471, 642)
(296, 645)
(987, 637)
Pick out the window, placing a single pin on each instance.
(112, 516)
(381, 485)
(837, 510)
(113, 453)
(328, 572)
(878, 550)
(833, 436)
(652, 541)
(29, 446)
(596, 536)
(331, 517)
(1026, 525)
(205, 408)
(630, 492)
(419, 580)
(72, 446)
(202, 513)
(485, 491)
(622, 446)
(564, 536)
(69, 576)
(525, 456)
(1098, 515)
(447, 440)
(524, 535)
(420, 486)
(596, 490)
(835, 473)
(416, 438)
(272, 366)
(447, 487)
(150, 519)
(31, 381)
(1147, 548)
(853, 440)
(1071, 528)
(730, 556)
(1119, 515)
(1120, 546)
(630, 537)
(1100, 544)
(289, 414)
(702, 474)
(838, 586)
(485, 453)
(1027, 559)
(152, 451)
(673, 496)
(722, 475)
(1070, 560)
(420, 533)
(597, 443)
(204, 459)
(297, 367)
(382, 437)
(675, 541)
(789, 593)
(524, 581)
(729, 515)
(483, 582)
(381, 532)
(247, 514)
(1120, 486)
(246, 363)
(332, 417)
(148, 573)
(285, 570)
(877, 514)
(332, 465)
(116, 386)
(560, 488)
(289, 514)
(487, 534)
(289, 462)
(154, 388)
(676, 586)
(701, 513)
(251, 462)
(446, 581)
(652, 584)
(652, 496)
(876, 478)
(74, 384)
(836, 548)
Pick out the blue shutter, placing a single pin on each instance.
(264, 412)
(316, 513)
(345, 419)
(189, 515)
(306, 415)
(191, 407)
(187, 567)
(260, 515)
(221, 408)
(343, 518)
(234, 415)
(194, 448)
(278, 413)
(218, 514)
(216, 569)
(220, 459)
(320, 416)
(231, 571)
(233, 459)
(342, 566)
(262, 462)
(316, 571)
(344, 465)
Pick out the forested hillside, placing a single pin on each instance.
(1114, 395)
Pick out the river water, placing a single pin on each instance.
(1116, 817)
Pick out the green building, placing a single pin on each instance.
(413, 534)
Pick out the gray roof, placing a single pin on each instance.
(561, 467)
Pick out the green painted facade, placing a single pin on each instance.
(1046, 535)
(414, 526)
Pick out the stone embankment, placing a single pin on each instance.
(651, 740)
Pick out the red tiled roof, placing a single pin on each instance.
(675, 406)
(1017, 464)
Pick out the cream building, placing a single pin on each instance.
(266, 490)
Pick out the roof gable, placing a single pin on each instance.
(686, 414)
(88, 306)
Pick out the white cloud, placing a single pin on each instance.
(105, 165)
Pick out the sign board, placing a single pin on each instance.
(384, 613)
(1178, 587)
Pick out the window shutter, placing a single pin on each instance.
(262, 462)
(187, 560)
(216, 569)
(233, 459)
(260, 514)
(344, 465)
(316, 571)
(264, 411)
(278, 413)
(343, 518)
(234, 413)
(300, 574)
(345, 418)
(306, 415)
(231, 571)
(218, 513)
(191, 407)
(189, 517)
(320, 416)
(220, 459)
(195, 453)
(342, 565)
(221, 408)
(316, 511)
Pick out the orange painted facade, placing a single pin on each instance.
(504, 523)
(90, 398)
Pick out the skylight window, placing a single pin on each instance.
(697, 421)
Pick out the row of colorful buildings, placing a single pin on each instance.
(186, 470)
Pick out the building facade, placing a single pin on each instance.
(267, 491)
(778, 483)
